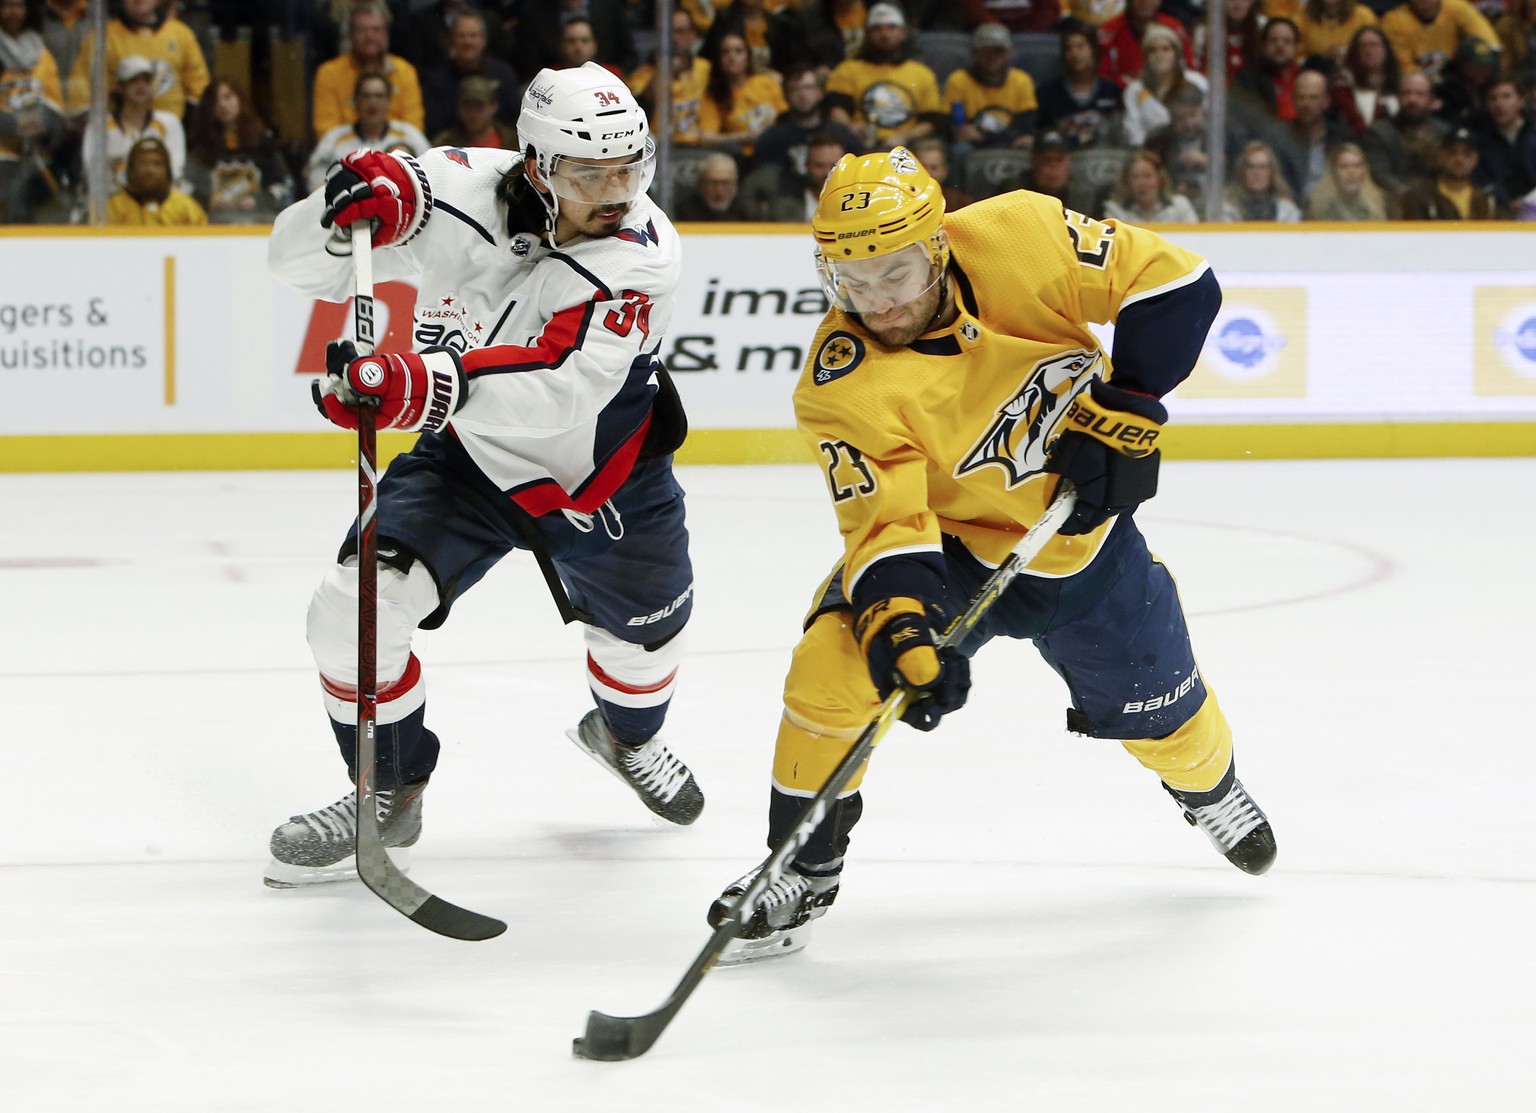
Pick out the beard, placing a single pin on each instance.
(898, 327)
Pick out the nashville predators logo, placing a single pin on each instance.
(1015, 441)
(840, 353)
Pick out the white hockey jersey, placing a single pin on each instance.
(558, 345)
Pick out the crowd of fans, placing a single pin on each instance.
(1337, 110)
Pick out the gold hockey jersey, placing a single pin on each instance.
(948, 435)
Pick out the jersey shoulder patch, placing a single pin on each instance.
(839, 354)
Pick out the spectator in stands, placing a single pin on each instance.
(933, 153)
(1346, 191)
(1120, 39)
(335, 80)
(1080, 105)
(1245, 28)
(1453, 195)
(890, 96)
(1426, 33)
(375, 130)
(147, 197)
(468, 56)
(32, 123)
(992, 103)
(424, 35)
(690, 76)
(775, 191)
(1050, 172)
(235, 170)
(1364, 88)
(1267, 83)
(578, 46)
(1309, 136)
(1327, 26)
(740, 101)
(716, 195)
(1464, 81)
(748, 19)
(1162, 75)
(146, 28)
(64, 30)
(131, 116)
(1517, 41)
(1506, 144)
(1256, 190)
(1183, 145)
(1404, 149)
(787, 140)
(536, 42)
(1143, 194)
(815, 33)
(477, 125)
(1012, 15)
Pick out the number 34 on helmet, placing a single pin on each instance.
(874, 208)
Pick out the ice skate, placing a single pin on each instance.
(661, 781)
(320, 846)
(780, 923)
(1236, 827)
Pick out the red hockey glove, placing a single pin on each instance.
(384, 187)
(1108, 449)
(414, 392)
(900, 646)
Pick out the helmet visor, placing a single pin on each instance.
(609, 181)
(879, 284)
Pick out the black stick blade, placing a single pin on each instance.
(613, 1039)
(457, 923)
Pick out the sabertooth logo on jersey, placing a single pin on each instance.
(1015, 441)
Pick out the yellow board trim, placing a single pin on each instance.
(281, 451)
(170, 329)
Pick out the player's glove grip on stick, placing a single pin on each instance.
(384, 187)
(1108, 449)
(898, 641)
(414, 392)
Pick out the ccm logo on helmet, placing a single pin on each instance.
(619, 134)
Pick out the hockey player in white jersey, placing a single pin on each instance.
(547, 281)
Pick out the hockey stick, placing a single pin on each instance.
(374, 866)
(615, 1038)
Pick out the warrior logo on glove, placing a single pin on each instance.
(416, 392)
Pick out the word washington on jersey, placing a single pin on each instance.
(547, 423)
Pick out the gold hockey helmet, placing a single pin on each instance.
(872, 207)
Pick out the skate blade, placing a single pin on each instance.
(741, 952)
(283, 875)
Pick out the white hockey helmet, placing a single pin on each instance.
(582, 116)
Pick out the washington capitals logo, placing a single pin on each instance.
(454, 154)
(1015, 441)
(641, 236)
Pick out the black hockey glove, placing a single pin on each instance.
(1108, 449)
(899, 643)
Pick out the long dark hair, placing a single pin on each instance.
(1391, 73)
(719, 88)
(205, 133)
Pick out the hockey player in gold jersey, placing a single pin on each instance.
(954, 383)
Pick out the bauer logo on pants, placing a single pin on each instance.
(1257, 347)
(1504, 345)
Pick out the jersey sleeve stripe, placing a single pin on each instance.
(1167, 287)
(562, 335)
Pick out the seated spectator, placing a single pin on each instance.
(1516, 29)
(467, 57)
(1326, 28)
(64, 29)
(992, 103)
(883, 91)
(147, 197)
(32, 124)
(787, 140)
(1050, 172)
(131, 116)
(1244, 25)
(336, 79)
(749, 19)
(1162, 75)
(690, 75)
(739, 100)
(1256, 190)
(775, 191)
(1012, 15)
(477, 125)
(539, 30)
(933, 153)
(1464, 81)
(1426, 33)
(146, 29)
(1364, 88)
(1453, 195)
(374, 130)
(1183, 145)
(424, 35)
(815, 33)
(1309, 136)
(1404, 149)
(1506, 144)
(578, 46)
(1120, 39)
(715, 196)
(1346, 191)
(1143, 194)
(1080, 105)
(1266, 84)
(235, 170)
